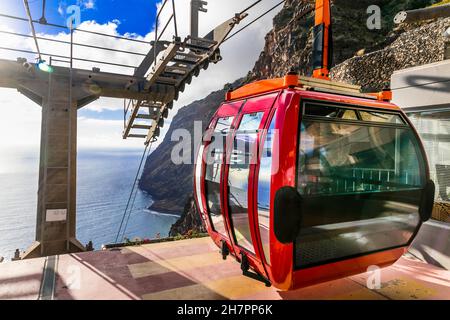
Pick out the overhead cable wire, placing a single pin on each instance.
(134, 199)
(68, 42)
(256, 19)
(75, 29)
(249, 7)
(65, 57)
(30, 20)
(130, 202)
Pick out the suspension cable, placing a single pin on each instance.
(249, 7)
(30, 19)
(256, 19)
(131, 210)
(43, 20)
(75, 29)
(130, 201)
(132, 204)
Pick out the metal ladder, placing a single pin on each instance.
(171, 65)
(176, 66)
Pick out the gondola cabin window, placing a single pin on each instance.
(214, 160)
(263, 191)
(360, 175)
(244, 154)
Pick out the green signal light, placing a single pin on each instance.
(43, 66)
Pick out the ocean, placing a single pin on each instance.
(104, 179)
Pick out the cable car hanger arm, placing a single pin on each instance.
(322, 45)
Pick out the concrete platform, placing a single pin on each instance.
(432, 244)
(194, 269)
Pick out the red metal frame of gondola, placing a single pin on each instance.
(286, 110)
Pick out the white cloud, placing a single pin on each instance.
(99, 134)
(89, 4)
(20, 120)
(20, 117)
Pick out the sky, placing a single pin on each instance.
(100, 124)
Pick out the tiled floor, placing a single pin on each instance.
(194, 269)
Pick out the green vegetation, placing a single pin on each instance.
(191, 234)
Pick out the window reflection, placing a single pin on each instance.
(342, 158)
(243, 154)
(214, 160)
(361, 186)
(264, 180)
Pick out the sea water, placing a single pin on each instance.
(104, 179)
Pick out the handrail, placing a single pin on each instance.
(75, 44)
(71, 43)
(172, 17)
(74, 29)
(65, 57)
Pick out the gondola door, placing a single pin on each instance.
(213, 151)
(242, 159)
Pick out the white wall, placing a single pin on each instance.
(422, 86)
(424, 92)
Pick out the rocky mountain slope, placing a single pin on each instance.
(169, 184)
(414, 47)
(361, 56)
(289, 44)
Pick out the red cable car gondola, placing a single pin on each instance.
(304, 180)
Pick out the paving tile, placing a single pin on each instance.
(175, 264)
(408, 279)
(21, 279)
(193, 292)
(194, 269)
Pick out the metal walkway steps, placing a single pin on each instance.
(173, 66)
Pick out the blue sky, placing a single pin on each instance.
(135, 16)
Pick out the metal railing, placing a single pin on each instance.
(358, 180)
(173, 18)
(68, 59)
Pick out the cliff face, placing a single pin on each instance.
(414, 47)
(289, 44)
(189, 220)
(169, 184)
(288, 47)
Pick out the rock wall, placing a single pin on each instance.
(189, 220)
(414, 47)
(289, 44)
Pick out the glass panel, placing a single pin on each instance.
(243, 154)
(339, 158)
(380, 117)
(348, 115)
(339, 227)
(198, 174)
(361, 188)
(264, 180)
(330, 112)
(434, 129)
(214, 160)
(223, 125)
(321, 111)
